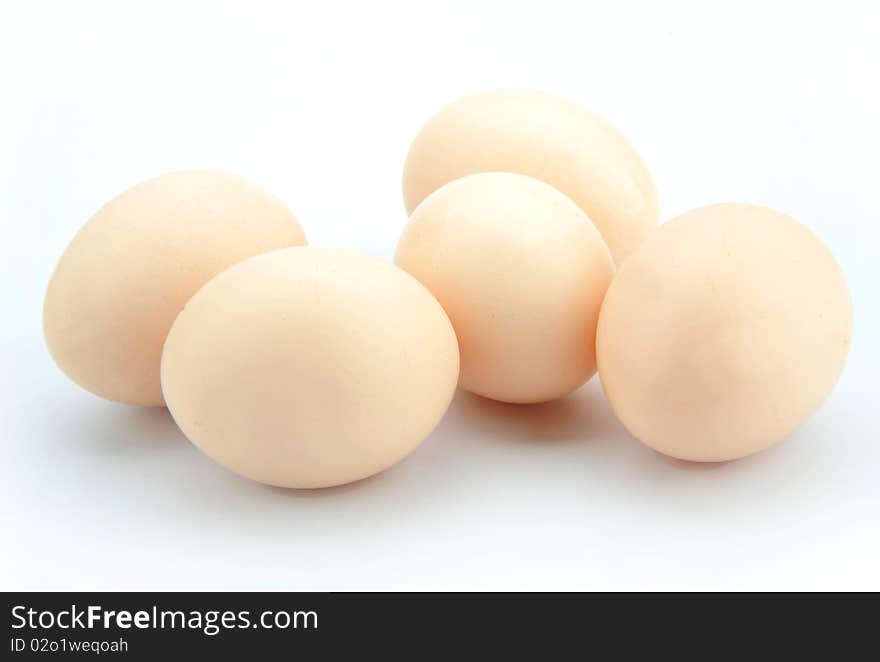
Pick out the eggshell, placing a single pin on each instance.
(130, 269)
(546, 137)
(723, 333)
(521, 271)
(310, 367)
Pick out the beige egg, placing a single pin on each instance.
(521, 272)
(546, 137)
(310, 367)
(132, 267)
(723, 333)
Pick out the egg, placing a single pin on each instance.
(128, 272)
(546, 137)
(310, 367)
(521, 272)
(723, 333)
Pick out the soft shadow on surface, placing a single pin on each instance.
(115, 428)
(577, 431)
(688, 465)
(579, 417)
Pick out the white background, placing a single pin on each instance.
(765, 102)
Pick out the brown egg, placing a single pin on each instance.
(132, 267)
(310, 367)
(521, 272)
(546, 137)
(723, 333)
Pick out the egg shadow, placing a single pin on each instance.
(689, 465)
(113, 427)
(578, 417)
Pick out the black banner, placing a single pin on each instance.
(151, 626)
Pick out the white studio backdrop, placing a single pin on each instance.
(774, 103)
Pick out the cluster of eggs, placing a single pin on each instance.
(531, 259)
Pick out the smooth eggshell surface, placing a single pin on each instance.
(521, 272)
(546, 137)
(132, 267)
(723, 333)
(310, 367)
